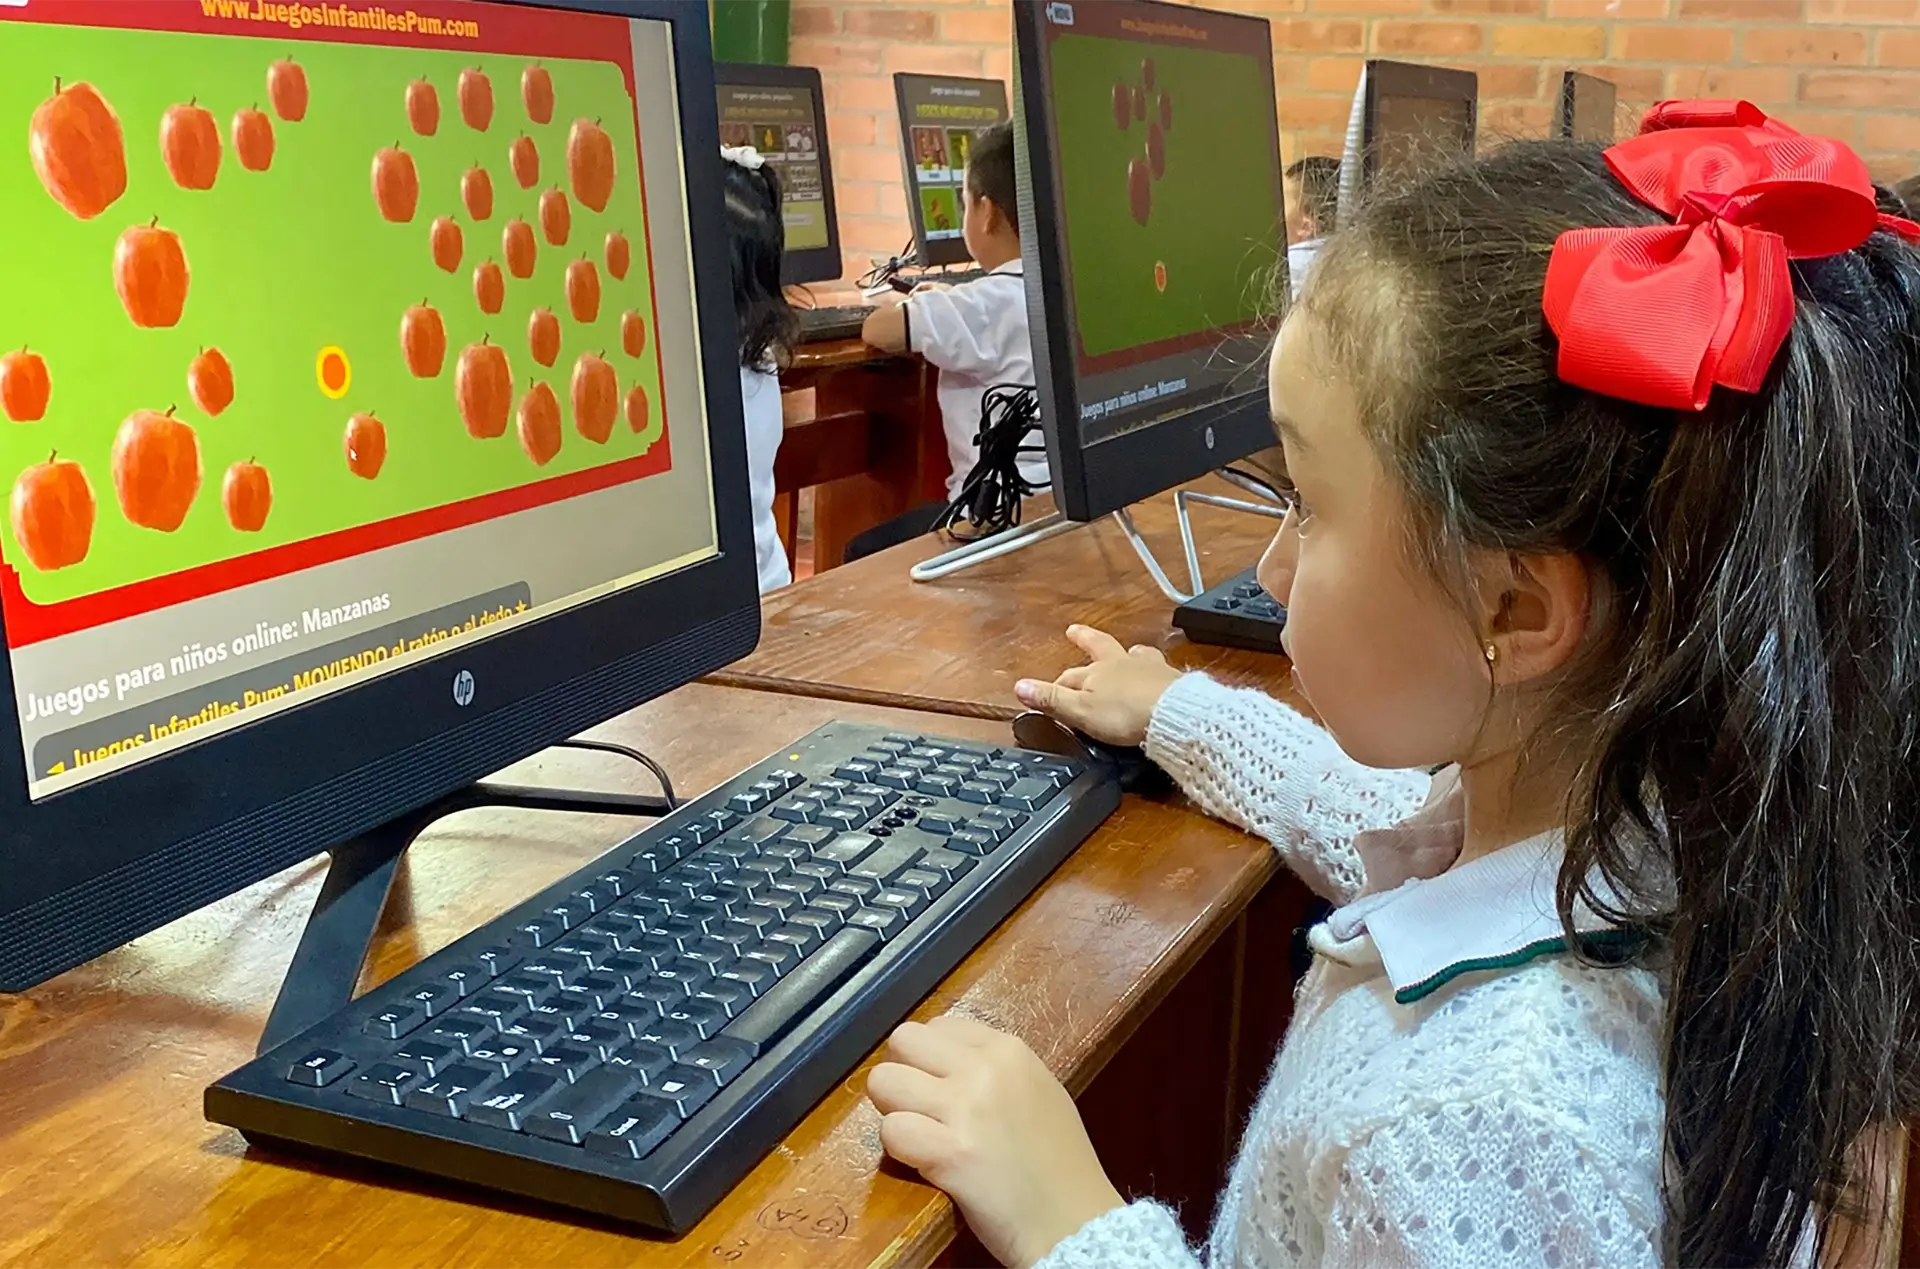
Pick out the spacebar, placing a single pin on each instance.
(793, 997)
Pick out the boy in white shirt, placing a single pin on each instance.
(1312, 187)
(975, 333)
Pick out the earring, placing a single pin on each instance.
(1491, 651)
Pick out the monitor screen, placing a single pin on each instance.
(779, 112)
(939, 117)
(1587, 107)
(1411, 132)
(348, 337)
(1165, 153)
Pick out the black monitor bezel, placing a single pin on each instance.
(1571, 84)
(96, 865)
(1093, 481)
(1406, 79)
(813, 264)
(947, 251)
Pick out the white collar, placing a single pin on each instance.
(1492, 913)
(1014, 267)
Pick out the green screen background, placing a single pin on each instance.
(286, 262)
(1215, 220)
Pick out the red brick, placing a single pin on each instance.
(1830, 48)
(1487, 8)
(1501, 80)
(933, 59)
(1290, 72)
(889, 23)
(1307, 114)
(1898, 48)
(1334, 74)
(1635, 83)
(1271, 6)
(1673, 43)
(1371, 8)
(813, 19)
(1510, 120)
(1313, 141)
(837, 55)
(1890, 132)
(1743, 10)
(867, 163)
(856, 198)
(977, 26)
(999, 65)
(853, 128)
(1542, 39)
(893, 201)
(1860, 89)
(1609, 8)
(1765, 88)
(1863, 10)
(1309, 36)
(1445, 39)
(1891, 169)
(1841, 125)
(859, 92)
(865, 236)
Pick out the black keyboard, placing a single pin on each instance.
(818, 325)
(632, 1040)
(1234, 614)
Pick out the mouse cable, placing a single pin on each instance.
(990, 498)
(659, 772)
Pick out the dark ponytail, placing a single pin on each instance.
(759, 238)
(1752, 702)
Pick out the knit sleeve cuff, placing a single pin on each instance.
(1198, 709)
(1141, 1235)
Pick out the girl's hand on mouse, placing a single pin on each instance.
(977, 1114)
(1112, 697)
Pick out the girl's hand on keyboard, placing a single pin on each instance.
(1110, 699)
(977, 1114)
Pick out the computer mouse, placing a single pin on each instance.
(1129, 764)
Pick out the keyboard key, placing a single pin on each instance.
(885, 922)
(383, 1083)
(598, 1038)
(910, 902)
(883, 864)
(539, 932)
(673, 1038)
(394, 1022)
(714, 956)
(761, 873)
(496, 1007)
(856, 769)
(929, 883)
(781, 902)
(845, 851)
(841, 905)
(635, 1129)
(449, 1092)
(692, 974)
(565, 1062)
(683, 1088)
(653, 859)
(597, 896)
(759, 919)
(431, 998)
(721, 1058)
(787, 852)
(938, 786)
(932, 753)
(569, 912)
(467, 979)
(878, 792)
(538, 1034)
(319, 1068)
(557, 970)
(682, 930)
(627, 969)
(618, 881)
(797, 994)
(425, 1056)
(460, 1034)
(977, 791)
(754, 976)
(861, 888)
(631, 1018)
(938, 822)
(733, 938)
(1000, 779)
(800, 938)
(750, 802)
(950, 864)
(537, 988)
(729, 995)
(642, 1061)
(498, 960)
(1028, 794)
(571, 1113)
(734, 849)
(654, 948)
(758, 832)
(778, 957)
(823, 920)
(503, 1056)
(509, 1105)
(590, 950)
(896, 777)
(594, 992)
(973, 841)
(786, 779)
(798, 811)
(805, 887)
(953, 771)
(704, 1016)
(709, 911)
(663, 994)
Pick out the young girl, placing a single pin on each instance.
(767, 329)
(1607, 475)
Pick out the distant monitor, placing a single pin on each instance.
(1586, 108)
(1149, 168)
(780, 111)
(939, 117)
(326, 514)
(1406, 118)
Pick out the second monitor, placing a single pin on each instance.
(779, 111)
(940, 115)
(1151, 180)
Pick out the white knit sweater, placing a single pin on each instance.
(1509, 1116)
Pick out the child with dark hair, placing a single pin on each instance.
(767, 325)
(1312, 189)
(1605, 485)
(976, 333)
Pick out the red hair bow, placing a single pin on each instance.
(1660, 315)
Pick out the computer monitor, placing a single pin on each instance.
(781, 112)
(1405, 117)
(1587, 105)
(318, 514)
(1150, 174)
(939, 117)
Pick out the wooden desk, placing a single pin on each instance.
(866, 632)
(872, 449)
(108, 1160)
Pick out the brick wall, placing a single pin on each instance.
(1845, 68)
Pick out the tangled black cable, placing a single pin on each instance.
(883, 272)
(990, 499)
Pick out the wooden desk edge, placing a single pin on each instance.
(780, 686)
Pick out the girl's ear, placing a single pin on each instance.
(1535, 612)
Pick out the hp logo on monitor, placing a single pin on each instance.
(463, 688)
(1060, 14)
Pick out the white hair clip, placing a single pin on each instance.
(743, 156)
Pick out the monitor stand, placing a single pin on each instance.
(1024, 535)
(333, 948)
